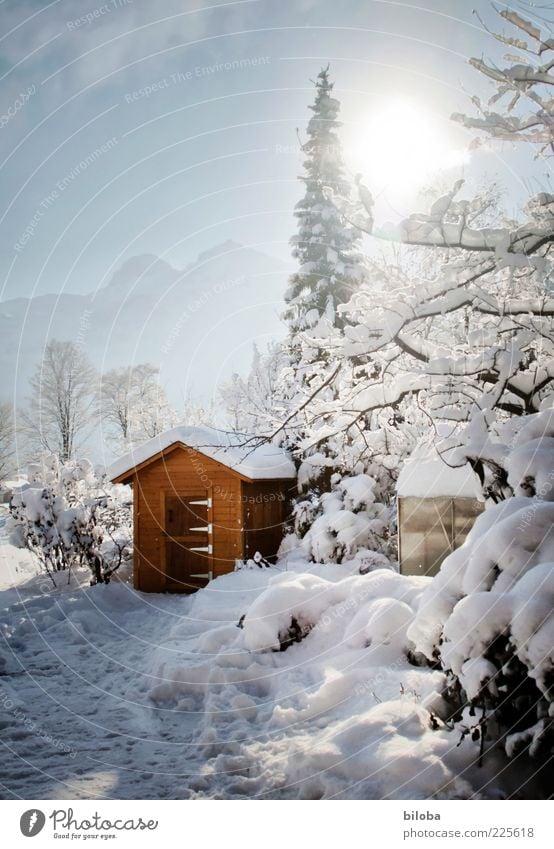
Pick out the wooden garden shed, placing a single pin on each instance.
(203, 499)
(437, 506)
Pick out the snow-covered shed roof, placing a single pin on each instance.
(236, 451)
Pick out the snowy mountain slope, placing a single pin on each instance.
(196, 324)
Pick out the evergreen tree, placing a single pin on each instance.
(326, 245)
(330, 270)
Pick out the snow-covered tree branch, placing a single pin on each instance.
(526, 81)
(472, 329)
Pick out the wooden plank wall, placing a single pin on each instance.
(186, 472)
(266, 505)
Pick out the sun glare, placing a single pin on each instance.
(399, 146)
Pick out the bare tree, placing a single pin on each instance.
(7, 434)
(196, 412)
(134, 404)
(116, 402)
(63, 400)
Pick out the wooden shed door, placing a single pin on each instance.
(188, 542)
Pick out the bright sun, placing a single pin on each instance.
(398, 147)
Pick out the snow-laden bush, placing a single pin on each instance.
(373, 610)
(335, 525)
(68, 517)
(488, 616)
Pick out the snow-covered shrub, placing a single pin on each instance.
(335, 525)
(287, 611)
(382, 622)
(369, 561)
(370, 610)
(511, 456)
(68, 517)
(488, 616)
(354, 472)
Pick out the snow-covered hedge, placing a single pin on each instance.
(68, 517)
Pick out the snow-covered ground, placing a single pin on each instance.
(106, 692)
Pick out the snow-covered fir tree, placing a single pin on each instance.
(294, 394)
(326, 246)
(330, 270)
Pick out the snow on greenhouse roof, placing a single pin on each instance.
(238, 452)
(428, 474)
(432, 478)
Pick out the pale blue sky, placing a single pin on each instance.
(212, 153)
